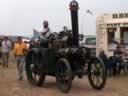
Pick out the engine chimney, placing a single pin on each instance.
(74, 6)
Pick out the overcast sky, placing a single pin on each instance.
(18, 17)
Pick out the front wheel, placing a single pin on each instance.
(64, 75)
(97, 73)
(33, 70)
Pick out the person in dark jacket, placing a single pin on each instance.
(117, 55)
(118, 51)
(103, 56)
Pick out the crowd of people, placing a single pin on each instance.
(19, 49)
(117, 63)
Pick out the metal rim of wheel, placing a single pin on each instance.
(97, 74)
(33, 72)
(64, 75)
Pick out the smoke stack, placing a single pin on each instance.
(74, 6)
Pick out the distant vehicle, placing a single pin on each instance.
(89, 42)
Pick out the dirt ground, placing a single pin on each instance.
(10, 86)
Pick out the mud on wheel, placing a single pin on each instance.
(33, 70)
(97, 73)
(64, 75)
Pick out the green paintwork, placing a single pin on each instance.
(51, 67)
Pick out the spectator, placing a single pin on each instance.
(118, 55)
(5, 48)
(111, 66)
(118, 51)
(19, 53)
(103, 56)
(0, 52)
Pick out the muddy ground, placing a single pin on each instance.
(10, 86)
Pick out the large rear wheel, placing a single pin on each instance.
(97, 73)
(33, 70)
(64, 75)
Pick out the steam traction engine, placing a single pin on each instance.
(65, 60)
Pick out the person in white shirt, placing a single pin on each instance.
(5, 49)
(45, 31)
(44, 34)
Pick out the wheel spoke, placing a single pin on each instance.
(99, 75)
(99, 80)
(99, 66)
(34, 76)
(31, 67)
(94, 78)
(93, 67)
(92, 71)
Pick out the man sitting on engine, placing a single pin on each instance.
(44, 34)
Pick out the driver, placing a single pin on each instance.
(45, 32)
